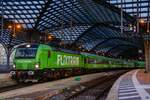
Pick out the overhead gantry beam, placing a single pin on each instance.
(96, 25)
(106, 24)
(108, 39)
(120, 45)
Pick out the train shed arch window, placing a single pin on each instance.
(12, 57)
(3, 57)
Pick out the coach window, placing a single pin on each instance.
(91, 61)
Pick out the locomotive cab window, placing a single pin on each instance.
(26, 52)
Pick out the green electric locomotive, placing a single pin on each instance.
(39, 61)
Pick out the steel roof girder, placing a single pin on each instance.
(119, 45)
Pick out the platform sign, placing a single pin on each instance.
(146, 37)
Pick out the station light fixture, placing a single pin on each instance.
(140, 58)
(140, 51)
(18, 26)
(141, 21)
(14, 27)
(131, 27)
(10, 27)
(143, 28)
(50, 37)
(134, 28)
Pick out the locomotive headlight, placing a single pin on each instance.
(28, 46)
(37, 66)
(14, 66)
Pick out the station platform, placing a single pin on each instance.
(134, 85)
(5, 80)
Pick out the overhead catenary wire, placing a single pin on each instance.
(148, 19)
(62, 23)
(137, 17)
(2, 19)
(71, 19)
(121, 16)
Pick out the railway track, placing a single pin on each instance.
(16, 86)
(96, 92)
(96, 89)
(93, 90)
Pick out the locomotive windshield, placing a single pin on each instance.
(26, 53)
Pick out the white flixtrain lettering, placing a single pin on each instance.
(59, 59)
(67, 60)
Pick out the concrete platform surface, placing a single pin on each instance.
(5, 80)
(134, 85)
(50, 88)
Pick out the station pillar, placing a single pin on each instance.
(147, 52)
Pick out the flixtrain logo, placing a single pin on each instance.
(67, 60)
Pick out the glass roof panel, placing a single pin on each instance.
(133, 7)
(68, 35)
(72, 21)
(22, 10)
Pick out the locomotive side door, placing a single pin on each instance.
(44, 58)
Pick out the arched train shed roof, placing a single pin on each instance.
(90, 24)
